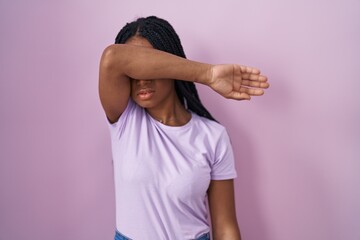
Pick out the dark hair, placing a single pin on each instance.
(162, 36)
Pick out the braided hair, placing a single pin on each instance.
(162, 36)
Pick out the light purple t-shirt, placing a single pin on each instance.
(162, 174)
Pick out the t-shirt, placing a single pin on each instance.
(162, 173)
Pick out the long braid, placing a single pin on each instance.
(162, 36)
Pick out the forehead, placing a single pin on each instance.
(139, 41)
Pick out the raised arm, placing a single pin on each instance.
(121, 62)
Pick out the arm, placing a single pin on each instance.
(222, 210)
(121, 62)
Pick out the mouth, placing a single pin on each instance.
(145, 94)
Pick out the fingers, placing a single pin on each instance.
(239, 96)
(256, 84)
(253, 74)
(254, 77)
(247, 69)
(248, 83)
(245, 93)
(252, 91)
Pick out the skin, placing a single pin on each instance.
(157, 95)
(147, 75)
(222, 210)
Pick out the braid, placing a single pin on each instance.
(162, 36)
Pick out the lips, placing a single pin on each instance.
(145, 93)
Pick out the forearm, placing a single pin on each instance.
(146, 63)
(228, 234)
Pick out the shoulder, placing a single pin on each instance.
(132, 113)
(211, 131)
(208, 125)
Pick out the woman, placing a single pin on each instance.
(169, 153)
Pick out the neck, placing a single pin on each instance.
(171, 113)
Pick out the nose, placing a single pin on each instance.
(142, 82)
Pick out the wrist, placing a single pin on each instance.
(205, 75)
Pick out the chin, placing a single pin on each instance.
(144, 104)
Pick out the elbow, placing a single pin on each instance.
(108, 57)
(113, 55)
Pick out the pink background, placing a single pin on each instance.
(297, 148)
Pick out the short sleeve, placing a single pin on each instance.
(224, 165)
(116, 127)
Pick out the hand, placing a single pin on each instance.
(237, 82)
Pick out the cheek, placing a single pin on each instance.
(132, 87)
(165, 86)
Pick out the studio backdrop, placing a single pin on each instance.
(296, 147)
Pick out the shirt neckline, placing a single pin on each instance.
(172, 128)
